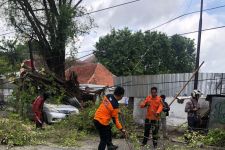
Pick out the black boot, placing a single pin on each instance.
(155, 144)
(112, 147)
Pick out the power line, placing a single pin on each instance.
(140, 60)
(176, 14)
(49, 58)
(3, 3)
(84, 56)
(153, 27)
(142, 57)
(56, 66)
(74, 60)
(207, 29)
(137, 1)
(122, 4)
(185, 14)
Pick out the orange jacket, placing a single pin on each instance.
(108, 109)
(155, 106)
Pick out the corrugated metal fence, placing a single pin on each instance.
(170, 84)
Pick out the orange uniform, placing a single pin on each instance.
(155, 106)
(108, 109)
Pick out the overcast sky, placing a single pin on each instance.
(145, 14)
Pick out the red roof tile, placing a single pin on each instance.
(91, 73)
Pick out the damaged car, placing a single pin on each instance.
(55, 113)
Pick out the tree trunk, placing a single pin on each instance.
(56, 64)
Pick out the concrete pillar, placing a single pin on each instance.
(131, 103)
(138, 113)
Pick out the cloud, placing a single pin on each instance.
(146, 14)
(136, 16)
(212, 45)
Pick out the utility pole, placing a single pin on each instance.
(31, 54)
(198, 47)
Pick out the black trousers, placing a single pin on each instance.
(193, 123)
(105, 134)
(154, 126)
(38, 124)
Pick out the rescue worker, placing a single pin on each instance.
(154, 108)
(164, 114)
(108, 109)
(191, 108)
(37, 108)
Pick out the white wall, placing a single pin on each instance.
(177, 114)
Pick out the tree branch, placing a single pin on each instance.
(77, 4)
(41, 9)
(53, 7)
(50, 22)
(70, 2)
(34, 27)
(3, 48)
(60, 3)
(46, 11)
(36, 23)
(2, 4)
(21, 30)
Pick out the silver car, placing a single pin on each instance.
(54, 113)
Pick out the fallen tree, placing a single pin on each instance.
(33, 83)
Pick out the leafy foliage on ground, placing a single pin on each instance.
(17, 132)
(215, 137)
(84, 123)
(84, 120)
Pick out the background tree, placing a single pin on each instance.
(51, 23)
(12, 53)
(183, 51)
(128, 53)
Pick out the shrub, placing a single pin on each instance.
(215, 137)
(83, 121)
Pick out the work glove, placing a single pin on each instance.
(157, 115)
(147, 104)
(124, 132)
